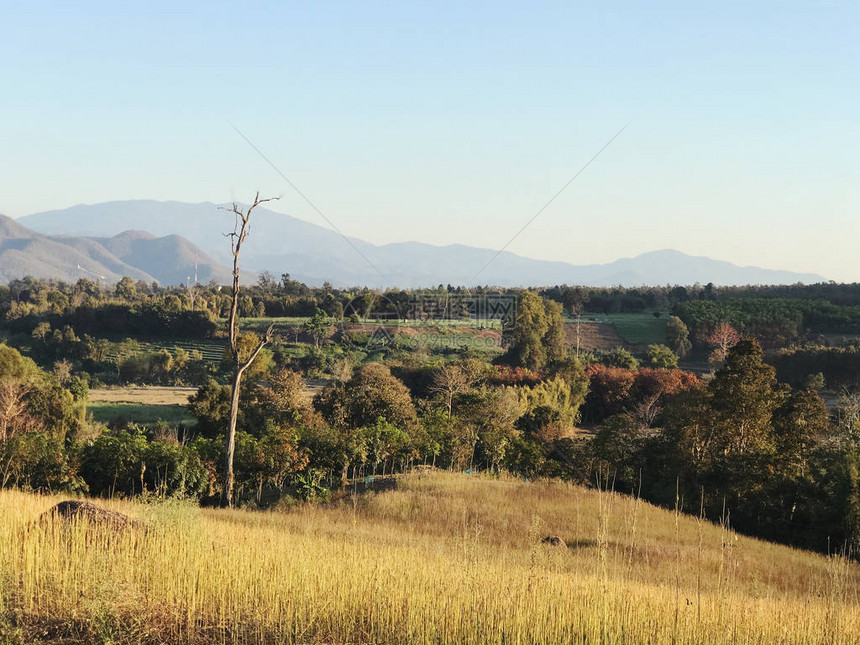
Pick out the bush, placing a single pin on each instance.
(125, 462)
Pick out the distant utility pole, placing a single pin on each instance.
(192, 288)
(237, 238)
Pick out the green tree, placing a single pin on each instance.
(572, 370)
(383, 441)
(550, 403)
(526, 338)
(678, 336)
(537, 336)
(319, 326)
(210, 405)
(800, 425)
(372, 393)
(486, 425)
(270, 458)
(661, 357)
(125, 462)
(619, 357)
(616, 444)
(126, 289)
(284, 400)
(745, 397)
(554, 339)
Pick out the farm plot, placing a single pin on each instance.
(634, 329)
(142, 405)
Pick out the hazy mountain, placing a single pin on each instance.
(168, 260)
(283, 244)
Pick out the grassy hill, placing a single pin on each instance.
(441, 558)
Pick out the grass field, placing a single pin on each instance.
(636, 329)
(144, 413)
(441, 559)
(144, 395)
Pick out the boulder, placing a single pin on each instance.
(93, 514)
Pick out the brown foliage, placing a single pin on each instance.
(609, 389)
(14, 418)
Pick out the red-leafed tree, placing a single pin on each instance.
(609, 390)
(656, 382)
(650, 389)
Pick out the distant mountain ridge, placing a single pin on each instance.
(281, 243)
(141, 256)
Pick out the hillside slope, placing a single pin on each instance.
(141, 256)
(24, 252)
(442, 558)
(172, 258)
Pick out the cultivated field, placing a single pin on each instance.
(441, 559)
(211, 350)
(148, 404)
(593, 336)
(635, 329)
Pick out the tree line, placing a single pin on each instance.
(739, 444)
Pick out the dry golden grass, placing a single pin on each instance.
(148, 394)
(441, 559)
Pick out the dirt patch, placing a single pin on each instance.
(314, 387)
(593, 336)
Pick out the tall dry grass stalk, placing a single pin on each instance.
(442, 559)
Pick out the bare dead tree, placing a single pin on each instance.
(451, 380)
(647, 411)
(241, 229)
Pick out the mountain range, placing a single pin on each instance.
(106, 239)
(137, 254)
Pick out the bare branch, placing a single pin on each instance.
(237, 237)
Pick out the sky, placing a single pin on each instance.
(456, 122)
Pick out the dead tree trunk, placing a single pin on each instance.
(237, 238)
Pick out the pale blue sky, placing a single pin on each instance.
(453, 122)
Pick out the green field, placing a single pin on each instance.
(107, 411)
(636, 329)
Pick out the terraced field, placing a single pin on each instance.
(212, 350)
